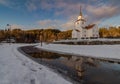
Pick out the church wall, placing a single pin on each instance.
(74, 34)
(78, 25)
(89, 33)
(95, 32)
(79, 35)
(84, 33)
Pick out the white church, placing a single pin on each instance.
(83, 31)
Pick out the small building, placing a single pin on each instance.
(81, 30)
(12, 40)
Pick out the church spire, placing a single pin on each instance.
(80, 17)
(80, 11)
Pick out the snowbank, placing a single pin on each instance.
(99, 51)
(15, 68)
(78, 40)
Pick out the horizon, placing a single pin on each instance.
(59, 14)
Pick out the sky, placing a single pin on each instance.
(59, 14)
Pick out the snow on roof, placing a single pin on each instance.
(89, 26)
(80, 20)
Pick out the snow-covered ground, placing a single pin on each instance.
(99, 51)
(99, 39)
(15, 68)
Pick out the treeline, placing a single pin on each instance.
(49, 35)
(111, 32)
(30, 36)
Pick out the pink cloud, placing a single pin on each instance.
(45, 22)
(102, 11)
(98, 13)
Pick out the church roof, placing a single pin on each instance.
(80, 20)
(77, 30)
(90, 26)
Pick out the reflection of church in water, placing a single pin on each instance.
(82, 30)
(79, 64)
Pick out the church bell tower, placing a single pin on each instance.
(79, 23)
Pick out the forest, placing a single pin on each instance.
(49, 35)
(111, 32)
(32, 36)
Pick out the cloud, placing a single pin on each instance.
(44, 22)
(103, 11)
(93, 10)
(4, 2)
(15, 26)
(68, 25)
(60, 7)
(67, 8)
(25, 27)
(31, 6)
(13, 4)
(50, 23)
(56, 24)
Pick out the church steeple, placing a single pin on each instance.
(80, 11)
(80, 17)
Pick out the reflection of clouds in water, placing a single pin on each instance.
(86, 69)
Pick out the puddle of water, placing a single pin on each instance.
(88, 70)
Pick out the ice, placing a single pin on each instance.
(100, 51)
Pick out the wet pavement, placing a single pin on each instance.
(81, 69)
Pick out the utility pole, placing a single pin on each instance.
(41, 37)
(9, 27)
